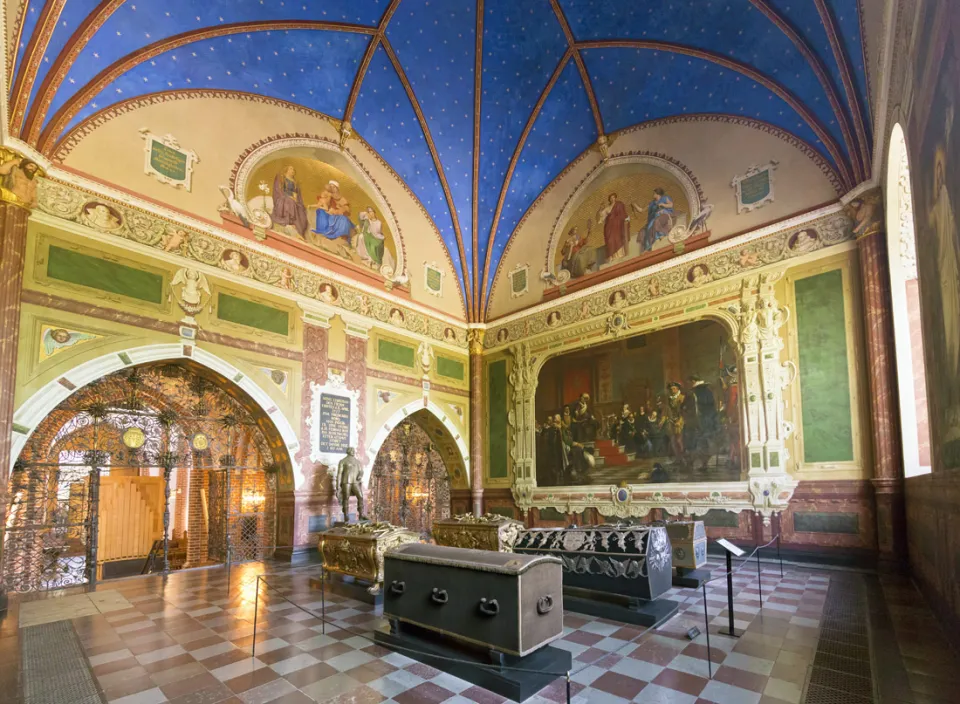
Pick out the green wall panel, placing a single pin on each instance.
(395, 353)
(718, 518)
(450, 368)
(824, 372)
(76, 268)
(497, 430)
(254, 315)
(816, 522)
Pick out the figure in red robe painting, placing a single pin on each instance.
(616, 224)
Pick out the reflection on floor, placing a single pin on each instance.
(188, 640)
(33, 613)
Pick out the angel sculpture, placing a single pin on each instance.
(191, 296)
(425, 358)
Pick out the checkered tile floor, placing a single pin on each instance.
(189, 641)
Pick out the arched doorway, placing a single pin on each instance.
(410, 481)
(905, 295)
(159, 466)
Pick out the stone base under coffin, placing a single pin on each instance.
(615, 607)
(474, 665)
(349, 587)
(690, 579)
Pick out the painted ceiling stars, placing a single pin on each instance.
(477, 105)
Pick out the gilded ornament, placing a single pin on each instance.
(357, 550)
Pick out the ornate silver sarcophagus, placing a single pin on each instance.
(505, 603)
(632, 561)
(357, 550)
(488, 532)
(689, 542)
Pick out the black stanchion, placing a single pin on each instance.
(759, 585)
(779, 556)
(323, 601)
(256, 607)
(706, 629)
(730, 630)
(568, 686)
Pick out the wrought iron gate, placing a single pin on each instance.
(160, 420)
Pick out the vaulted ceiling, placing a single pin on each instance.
(477, 104)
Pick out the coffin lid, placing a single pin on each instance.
(465, 558)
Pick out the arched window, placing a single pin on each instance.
(908, 337)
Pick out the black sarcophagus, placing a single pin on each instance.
(506, 603)
(623, 565)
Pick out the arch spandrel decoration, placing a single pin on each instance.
(749, 311)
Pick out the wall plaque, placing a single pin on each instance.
(433, 278)
(165, 160)
(334, 423)
(755, 187)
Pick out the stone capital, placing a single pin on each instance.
(19, 176)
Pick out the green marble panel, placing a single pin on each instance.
(450, 368)
(112, 277)
(497, 419)
(395, 353)
(817, 522)
(253, 315)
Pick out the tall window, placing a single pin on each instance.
(902, 248)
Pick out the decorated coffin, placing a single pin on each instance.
(689, 542)
(487, 532)
(633, 561)
(507, 603)
(357, 550)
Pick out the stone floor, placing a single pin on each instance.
(187, 639)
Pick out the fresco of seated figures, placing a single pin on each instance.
(316, 203)
(656, 408)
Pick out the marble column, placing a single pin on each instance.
(16, 200)
(476, 420)
(877, 305)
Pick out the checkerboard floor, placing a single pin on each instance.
(188, 640)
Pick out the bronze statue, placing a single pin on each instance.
(350, 483)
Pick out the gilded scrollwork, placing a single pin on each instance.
(487, 532)
(357, 550)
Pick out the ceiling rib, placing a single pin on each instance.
(781, 92)
(509, 176)
(821, 72)
(76, 103)
(14, 45)
(581, 66)
(826, 17)
(477, 88)
(440, 172)
(61, 65)
(33, 55)
(367, 58)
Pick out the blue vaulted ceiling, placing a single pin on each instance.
(476, 104)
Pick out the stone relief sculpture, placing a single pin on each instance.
(191, 291)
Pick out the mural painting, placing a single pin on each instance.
(625, 219)
(661, 407)
(316, 203)
(936, 190)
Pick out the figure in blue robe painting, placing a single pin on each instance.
(659, 220)
(333, 214)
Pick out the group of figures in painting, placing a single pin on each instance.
(687, 428)
(332, 223)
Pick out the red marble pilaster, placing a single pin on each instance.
(882, 374)
(476, 426)
(13, 244)
(356, 380)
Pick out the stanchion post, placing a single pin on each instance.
(730, 630)
(323, 601)
(779, 556)
(759, 585)
(568, 686)
(706, 629)
(256, 608)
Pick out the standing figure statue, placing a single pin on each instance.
(350, 483)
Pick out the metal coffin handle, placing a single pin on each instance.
(489, 608)
(398, 588)
(544, 604)
(439, 596)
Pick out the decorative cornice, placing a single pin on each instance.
(76, 102)
(773, 86)
(509, 176)
(439, 167)
(816, 64)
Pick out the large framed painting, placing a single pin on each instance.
(314, 202)
(657, 408)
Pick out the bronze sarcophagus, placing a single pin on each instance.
(357, 550)
(487, 532)
(506, 603)
(632, 561)
(689, 542)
